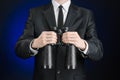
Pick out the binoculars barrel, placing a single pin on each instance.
(71, 62)
(71, 57)
(47, 56)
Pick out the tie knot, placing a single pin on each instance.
(60, 7)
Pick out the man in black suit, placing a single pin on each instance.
(38, 33)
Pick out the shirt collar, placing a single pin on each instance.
(65, 5)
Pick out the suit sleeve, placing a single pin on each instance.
(22, 45)
(95, 50)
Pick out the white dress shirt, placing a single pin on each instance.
(65, 9)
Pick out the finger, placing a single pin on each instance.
(67, 35)
(70, 33)
(51, 42)
(69, 38)
(68, 41)
(51, 39)
(50, 33)
(51, 36)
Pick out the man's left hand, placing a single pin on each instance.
(75, 39)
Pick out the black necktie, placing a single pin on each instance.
(60, 17)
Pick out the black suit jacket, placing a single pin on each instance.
(43, 19)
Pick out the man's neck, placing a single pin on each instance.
(61, 1)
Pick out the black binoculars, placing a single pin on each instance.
(47, 57)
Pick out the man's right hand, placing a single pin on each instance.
(46, 37)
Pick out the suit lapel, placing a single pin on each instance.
(71, 18)
(50, 17)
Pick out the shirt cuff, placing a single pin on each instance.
(86, 49)
(35, 52)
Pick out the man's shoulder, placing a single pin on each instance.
(81, 9)
(41, 7)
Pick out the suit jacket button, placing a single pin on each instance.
(58, 72)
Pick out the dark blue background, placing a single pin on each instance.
(13, 14)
